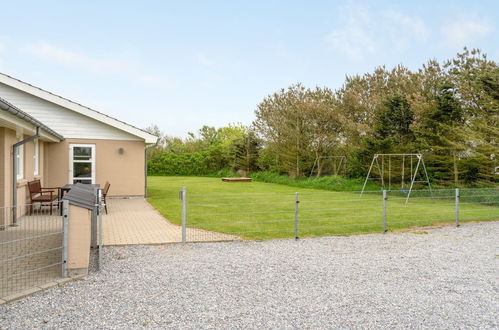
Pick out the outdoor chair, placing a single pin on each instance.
(46, 196)
(104, 194)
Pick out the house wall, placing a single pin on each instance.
(68, 123)
(7, 139)
(125, 172)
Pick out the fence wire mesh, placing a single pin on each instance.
(221, 217)
(31, 247)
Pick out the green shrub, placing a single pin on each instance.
(224, 172)
(188, 164)
(335, 183)
(196, 163)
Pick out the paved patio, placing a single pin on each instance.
(134, 221)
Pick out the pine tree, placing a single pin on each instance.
(441, 133)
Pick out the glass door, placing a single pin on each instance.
(82, 163)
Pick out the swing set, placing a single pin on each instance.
(404, 166)
(329, 165)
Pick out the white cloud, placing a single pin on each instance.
(352, 41)
(87, 63)
(462, 32)
(363, 32)
(355, 37)
(408, 27)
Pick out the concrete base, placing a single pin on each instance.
(39, 288)
(80, 272)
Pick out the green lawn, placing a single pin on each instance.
(260, 210)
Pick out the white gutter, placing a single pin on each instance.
(145, 164)
(14, 173)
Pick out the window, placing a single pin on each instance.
(82, 163)
(36, 158)
(20, 162)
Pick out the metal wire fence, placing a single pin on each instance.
(31, 247)
(222, 217)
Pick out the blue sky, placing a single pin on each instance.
(183, 64)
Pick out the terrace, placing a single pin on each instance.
(30, 254)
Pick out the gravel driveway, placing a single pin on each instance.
(447, 278)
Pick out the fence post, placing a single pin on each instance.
(457, 207)
(297, 202)
(184, 215)
(65, 223)
(99, 233)
(385, 198)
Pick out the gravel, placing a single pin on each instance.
(439, 278)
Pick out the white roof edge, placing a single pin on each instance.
(76, 107)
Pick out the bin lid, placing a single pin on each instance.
(83, 195)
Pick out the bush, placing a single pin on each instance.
(186, 164)
(334, 183)
(196, 163)
(223, 173)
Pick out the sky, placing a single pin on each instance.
(184, 64)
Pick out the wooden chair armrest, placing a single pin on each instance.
(47, 192)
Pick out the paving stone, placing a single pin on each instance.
(135, 222)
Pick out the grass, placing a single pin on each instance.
(260, 210)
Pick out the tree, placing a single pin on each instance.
(448, 111)
(394, 122)
(299, 125)
(245, 152)
(441, 133)
(392, 133)
(477, 81)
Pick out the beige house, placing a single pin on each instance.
(45, 136)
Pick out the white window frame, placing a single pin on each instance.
(36, 157)
(72, 161)
(20, 162)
